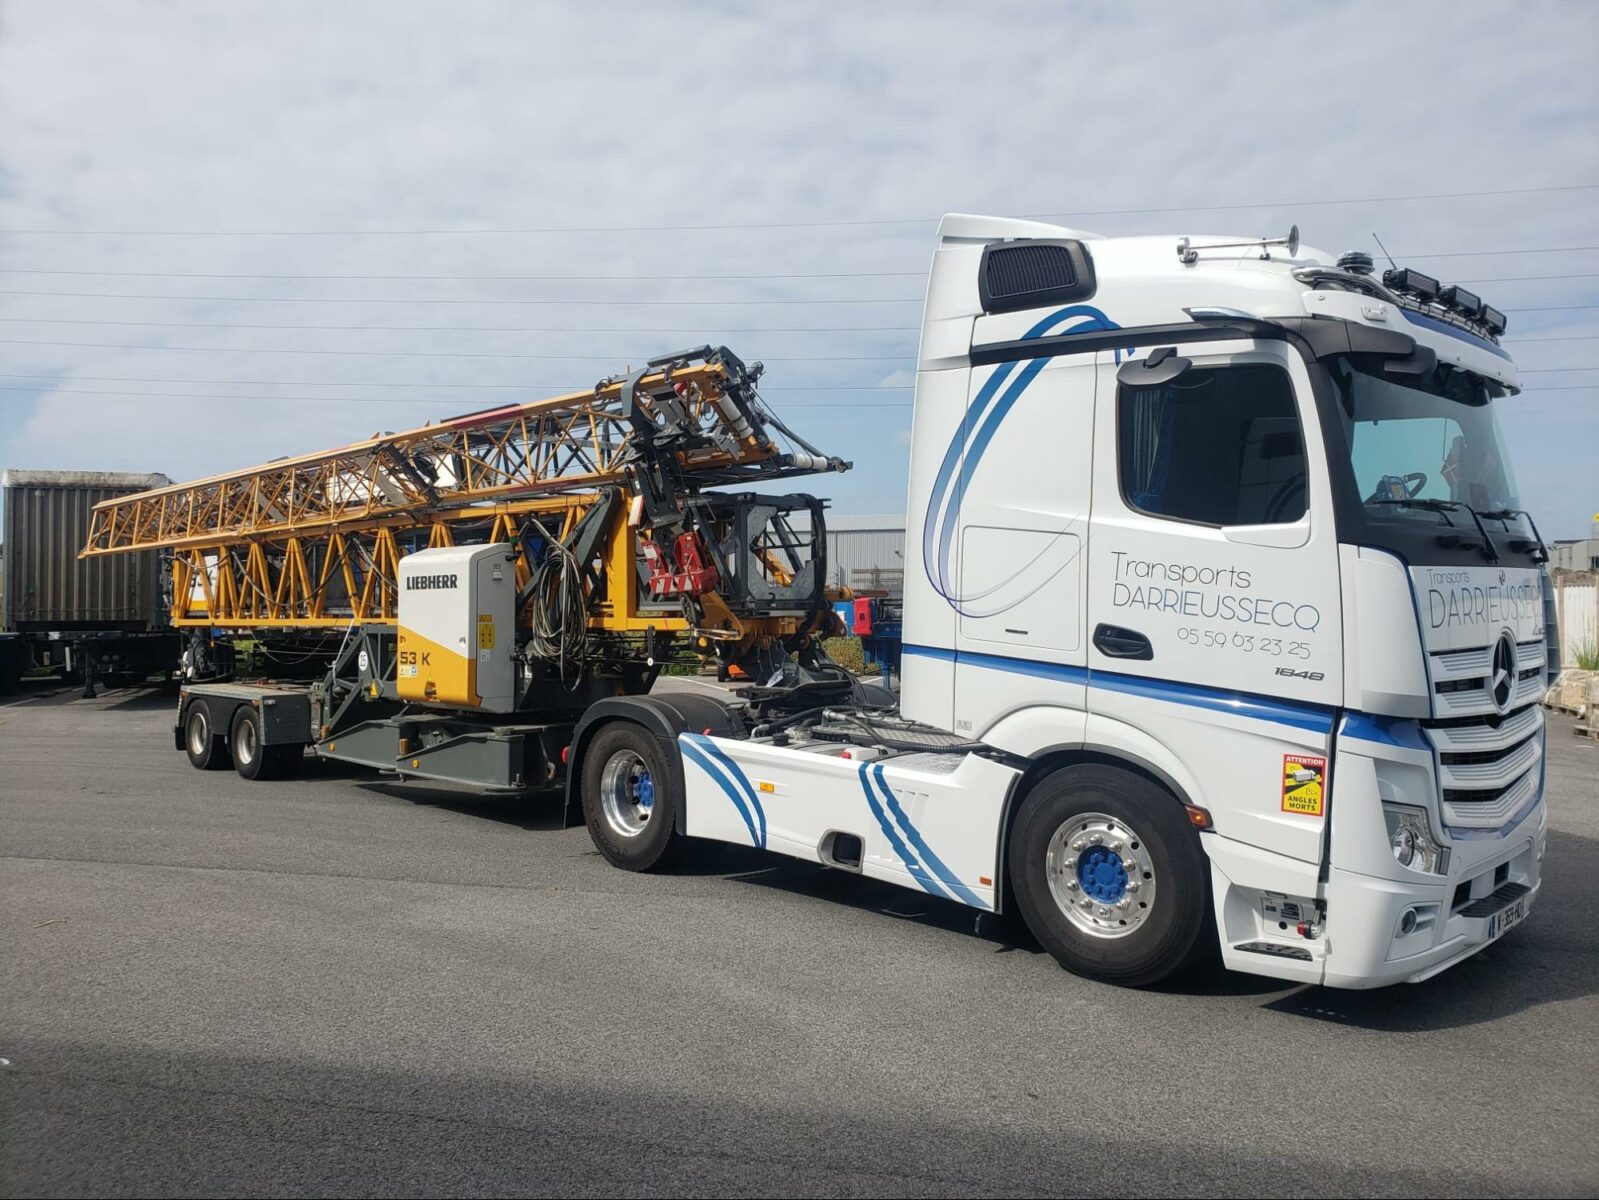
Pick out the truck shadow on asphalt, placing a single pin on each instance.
(52, 692)
(1005, 931)
(535, 811)
(1546, 961)
(1542, 963)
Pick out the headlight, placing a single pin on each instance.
(1410, 838)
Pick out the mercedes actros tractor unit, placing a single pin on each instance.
(1223, 627)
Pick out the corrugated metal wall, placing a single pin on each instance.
(46, 585)
(860, 544)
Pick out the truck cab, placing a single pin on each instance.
(1239, 518)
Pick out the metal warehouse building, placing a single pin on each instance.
(866, 553)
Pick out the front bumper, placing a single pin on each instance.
(1359, 935)
(1366, 916)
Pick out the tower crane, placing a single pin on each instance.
(595, 509)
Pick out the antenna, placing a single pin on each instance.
(1385, 253)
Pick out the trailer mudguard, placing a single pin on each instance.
(665, 716)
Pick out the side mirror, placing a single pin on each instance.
(1162, 366)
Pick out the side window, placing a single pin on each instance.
(1217, 446)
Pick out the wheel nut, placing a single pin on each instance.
(1132, 885)
(1129, 865)
(1104, 912)
(1071, 885)
(1070, 864)
(1116, 847)
(1124, 903)
(1087, 903)
(1079, 845)
(1097, 840)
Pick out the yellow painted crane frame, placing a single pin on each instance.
(314, 541)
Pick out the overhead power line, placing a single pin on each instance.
(472, 278)
(700, 333)
(581, 278)
(435, 401)
(736, 302)
(360, 353)
(788, 406)
(865, 221)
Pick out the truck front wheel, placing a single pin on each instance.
(1109, 875)
(630, 797)
(200, 742)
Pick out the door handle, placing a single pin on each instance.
(1115, 642)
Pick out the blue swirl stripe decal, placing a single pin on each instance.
(736, 772)
(929, 859)
(919, 858)
(898, 843)
(727, 775)
(976, 431)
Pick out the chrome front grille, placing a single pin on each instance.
(1460, 679)
(1489, 769)
(1490, 766)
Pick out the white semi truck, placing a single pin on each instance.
(1222, 624)
(1223, 627)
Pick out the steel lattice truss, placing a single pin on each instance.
(701, 412)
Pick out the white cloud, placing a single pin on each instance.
(401, 115)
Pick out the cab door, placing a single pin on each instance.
(1021, 538)
(1213, 599)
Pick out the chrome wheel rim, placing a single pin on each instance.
(627, 794)
(199, 734)
(244, 742)
(1101, 875)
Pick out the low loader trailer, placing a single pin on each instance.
(1223, 631)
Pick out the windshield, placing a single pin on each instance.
(1423, 448)
(1431, 437)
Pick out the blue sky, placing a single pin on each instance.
(148, 152)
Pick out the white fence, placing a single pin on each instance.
(1577, 604)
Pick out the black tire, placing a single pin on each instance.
(628, 836)
(1165, 939)
(205, 749)
(251, 759)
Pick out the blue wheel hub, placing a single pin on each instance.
(1102, 875)
(644, 791)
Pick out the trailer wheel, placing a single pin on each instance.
(200, 741)
(251, 759)
(630, 797)
(1109, 875)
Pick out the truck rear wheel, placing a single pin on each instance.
(251, 759)
(201, 743)
(1109, 875)
(630, 797)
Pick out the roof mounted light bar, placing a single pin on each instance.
(1422, 292)
(1411, 281)
(1188, 253)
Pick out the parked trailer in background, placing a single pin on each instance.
(95, 618)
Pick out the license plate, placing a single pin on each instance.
(1507, 918)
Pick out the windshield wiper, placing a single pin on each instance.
(1448, 506)
(1538, 544)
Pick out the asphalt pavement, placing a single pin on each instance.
(337, 984)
